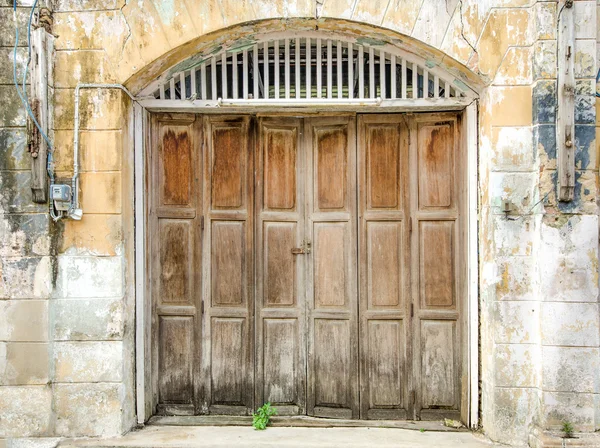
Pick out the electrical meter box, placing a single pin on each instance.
(61, 195)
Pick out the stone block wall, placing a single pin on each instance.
(66, 291)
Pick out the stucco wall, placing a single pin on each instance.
(66, 297)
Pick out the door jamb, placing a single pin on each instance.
(143, 359)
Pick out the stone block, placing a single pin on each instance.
(26, 411)
(585, 147)
(570, 324)
(93, 235)
(515, 68)
(88, 410)
(516, 322)
(99, 109)
(517, 278)
(370, 11)
(14, 150)
(38, 442)
(74, 66)
(88, 362)
(433, 20)
(518, 188)
(7, 26)
(585, 19)
(514, 237)
(560, 407)
(545, 20)
(98, 150)
(12, 113)
(15, 193)
(100, 192)
(585, 58)
(287, 9)
(517, 365)
(571, 369)
(90, 277)
(25, 277)
(513, 412)
(544, 59)
(6, 64)
(90, 30)
(343, 8)
(87, 5)
(584, 202)
(544, 102)
(94, 319)
(24, 363)
(24, 320)
(544, 137)
(458, 39)
(24, 235)
(401, 15)
(513, 149)
(509, 106)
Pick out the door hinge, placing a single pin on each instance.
(412, 310)
(410, 224)
(202, 307)
(202, 223)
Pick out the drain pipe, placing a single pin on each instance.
(74, 211)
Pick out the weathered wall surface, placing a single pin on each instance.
(66, 312)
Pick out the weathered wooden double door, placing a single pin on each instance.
(309, 262)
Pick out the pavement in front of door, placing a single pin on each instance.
(247, 437)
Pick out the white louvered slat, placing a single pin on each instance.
(308, 67)
(339, 69)
(319, 69)
(350, 71)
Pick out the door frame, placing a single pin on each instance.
(140, 123)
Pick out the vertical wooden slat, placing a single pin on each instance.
(287, 68)
(234, 75)
(447, 90)
(436, 86)
(255, 71)
(350, 71)
(276, 67)
(298, 78)
(193, 82)
(161, 90)
(393, 77)
(308, 67)
(425, 84)
(361, 72)
(266, 70)
(224, 75)
(203, 81)
(213, 77)
(329, 68)
(403, 80)
(319, 69)
(182, 84)
(371, 72)
(245, 74)
(415, 81)
(340, 64)
(172, 89)
(382, 73)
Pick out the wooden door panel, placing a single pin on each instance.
(436, 270)
(332, 278)
(228, 263)
(436, 241)
(228, 327)
(280, 308)
(384, 266)
(174, 243)
(440, 381)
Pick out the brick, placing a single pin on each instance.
(90, 410)
(90, 277)
(88, 362)
(570, 324)
(24, 363)
(100, 192)
(94, 319)
(24, 320)
(26, 411)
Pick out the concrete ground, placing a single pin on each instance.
(237, 436)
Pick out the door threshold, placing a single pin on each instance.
(299, 421)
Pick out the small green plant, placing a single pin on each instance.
(263, 415)
(422, 429)
(568, 429)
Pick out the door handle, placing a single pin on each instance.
(298, 251)
(304, 249)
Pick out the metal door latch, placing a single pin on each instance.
(303, 249)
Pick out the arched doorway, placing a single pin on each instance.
(305, 250)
